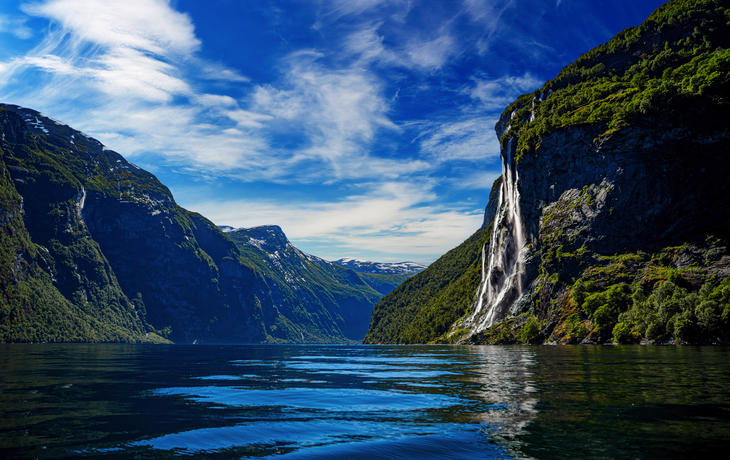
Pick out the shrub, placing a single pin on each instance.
(685, 329)
(604, 318)
(708, 317)
(621, 333)
(655, 331)
(531, 331)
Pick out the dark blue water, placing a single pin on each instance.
(360, 402)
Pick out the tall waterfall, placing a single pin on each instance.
(503, 266)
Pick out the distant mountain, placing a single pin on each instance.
(308, 280)
(96, 249)
(364, 266)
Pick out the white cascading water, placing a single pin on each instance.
(503, 267)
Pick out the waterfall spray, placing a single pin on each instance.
(503, 266)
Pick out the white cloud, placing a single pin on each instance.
(51, 63)
(215, 71)
(129, 72)
(470, 139)
(245, 119)
(216, 100)
(368, 44)
(432, 54)
(148, 25)
(15, 26)
(339, 111)
(498, 93)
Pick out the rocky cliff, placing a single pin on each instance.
(617, 163)
(611, 218)
(96, 249)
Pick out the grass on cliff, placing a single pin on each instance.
(677, 58)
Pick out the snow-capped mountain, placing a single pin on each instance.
(365, 266)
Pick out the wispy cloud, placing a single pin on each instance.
(431, 54)
(146, 25)
(469, 139)
(15, 26)
(496, 94)
(338, 111)
(386, 218)
(489, 14)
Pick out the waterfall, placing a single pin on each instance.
(503, 266)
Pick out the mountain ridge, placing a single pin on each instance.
(105, 243)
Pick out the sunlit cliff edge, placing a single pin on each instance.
(611, 219)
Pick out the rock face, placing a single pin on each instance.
(599, 164)
(55, 283)
(641, 189)
(96, 249)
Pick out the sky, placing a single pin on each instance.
(363, 128)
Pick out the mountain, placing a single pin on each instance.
(303, 279)
(364, 266)
(613, 212)
(383, 277)
(96, 249)
(424, 308)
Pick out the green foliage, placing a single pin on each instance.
(530, 331)
(632, 77)
(640, 295)
(621, 333)
(500, 333)
(424, 307)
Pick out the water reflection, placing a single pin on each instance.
(630, 402)
(70, 401)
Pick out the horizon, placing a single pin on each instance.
(362, 128)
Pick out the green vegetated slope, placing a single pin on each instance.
(344, 300)
(96, 249)
(384, 283)
(425, 306)
(615, 262)
(677, 61)
(58, 287)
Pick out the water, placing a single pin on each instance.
(363, 402)
(503, 267)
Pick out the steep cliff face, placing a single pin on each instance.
(95, 248)
(55, 283)
(624, 153)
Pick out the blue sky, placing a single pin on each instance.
(364, 128)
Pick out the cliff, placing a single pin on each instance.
(616, 193)
(96, 249)
(612, 214)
